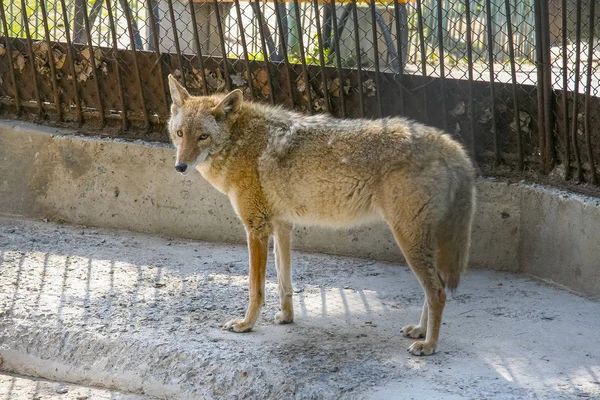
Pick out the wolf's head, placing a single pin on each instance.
(197, 126)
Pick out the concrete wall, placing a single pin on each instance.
(54, 174)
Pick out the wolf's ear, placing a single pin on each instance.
(229, 105)
(178, 93)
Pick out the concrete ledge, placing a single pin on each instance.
(55, 174)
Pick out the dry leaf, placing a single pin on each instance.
(369, 88)
(59, 58)
(40, 48)
(2, 50)
(261, 81)
(238, 80)
(334, 87)
(18, 60)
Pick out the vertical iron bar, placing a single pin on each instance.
(267, 56)
(470, 69)
(376, 60)
(113, 32)
(338, 60)
(11, 67)
(539, 54)
(302, 58)
(88, 31)
(31, 58)
(198, 48)
(136, 66)
(283, 47)
(440, 31)
(421, 28)
(244, 47)
(156, 43)
(321, 55)
(574, 118)
(176, 41)
(400, 53)
(547, 86)
(511, 50)
(225, 59)
(588, 88)
(490, 39)
(71, 56)
(565, 102)
(51, 60)
(358, 59)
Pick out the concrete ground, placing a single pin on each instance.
(142, 314)
(18, 387)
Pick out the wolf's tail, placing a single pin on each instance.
(453, 236)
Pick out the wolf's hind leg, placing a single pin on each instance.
(419, 252)
(281, 233)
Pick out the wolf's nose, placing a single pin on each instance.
(181, 167)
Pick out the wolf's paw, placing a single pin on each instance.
(236, 325)
(284, 317)
(413, 331)
(421, 349)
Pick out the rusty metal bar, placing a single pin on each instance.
(136, 66)
(399, 55)
(244, 47)
(113, 31)
(421, 29)
(470, 71)
(440, 32)
(490, 39)
(156, 43)
(338, 60)
(588, 88)
(547, 87)
(176, 41)
(11, 67)
(198, 48)
(358, 60)
(579, 173)
(511, 49)
(565, 100)
(31, 58)
(540, 66)
(88, 113)
(263, 44)
(71, 56)
(225, 59)
(302, 58)
(283, 47)
(88, 33)
(51, 60)
(321, 55)
(376, 59)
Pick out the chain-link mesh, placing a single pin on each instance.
(350, 58)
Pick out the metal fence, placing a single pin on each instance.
(518, 81)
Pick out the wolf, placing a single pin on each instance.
(280, 168)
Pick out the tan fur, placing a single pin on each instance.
(281, 168)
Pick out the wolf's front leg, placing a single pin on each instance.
(258, 247)
(281, 232)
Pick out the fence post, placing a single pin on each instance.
(545, 92)
(548, 91)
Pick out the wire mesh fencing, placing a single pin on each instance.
(518, 81)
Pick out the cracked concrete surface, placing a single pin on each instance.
(142, 314)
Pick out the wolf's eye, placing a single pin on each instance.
(180, 133)
(203, 137)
